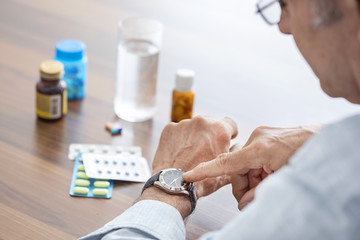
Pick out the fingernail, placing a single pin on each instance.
(242, 205)
(187, 174)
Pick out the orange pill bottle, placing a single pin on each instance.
(183, 96)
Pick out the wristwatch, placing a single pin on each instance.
(170, 180)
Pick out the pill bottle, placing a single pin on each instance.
(71, 53)
(183, 96)
(51, 97)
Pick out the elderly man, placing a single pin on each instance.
(312, 186)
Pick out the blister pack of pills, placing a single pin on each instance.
(125, 166)
(84, 186)
(76, 148)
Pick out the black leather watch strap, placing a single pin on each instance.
(192, 196)
(191, 189)
(151, 181)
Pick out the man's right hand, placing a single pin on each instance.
(267, 150)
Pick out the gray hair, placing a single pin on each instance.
(324, 12)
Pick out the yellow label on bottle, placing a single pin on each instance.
(48, 106)
(65, 100)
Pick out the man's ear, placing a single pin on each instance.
(285, 23)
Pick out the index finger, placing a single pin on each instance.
(223, 164)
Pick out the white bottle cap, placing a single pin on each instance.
(184, 80)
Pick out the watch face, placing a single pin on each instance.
(173, 178)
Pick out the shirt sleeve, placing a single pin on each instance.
(147, 219)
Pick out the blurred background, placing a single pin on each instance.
(224, 42)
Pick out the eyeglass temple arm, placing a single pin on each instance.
(267, 5)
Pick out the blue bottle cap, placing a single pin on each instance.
(70, 49)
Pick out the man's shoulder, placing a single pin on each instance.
(340, 136)
(348, 127)
(335, 142)
(329, 163)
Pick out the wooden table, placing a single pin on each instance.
(244, 69)
(35, 173)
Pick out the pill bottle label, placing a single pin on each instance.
(182, 105)
(65, 107)
(48, 106)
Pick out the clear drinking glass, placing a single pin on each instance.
(139, 42)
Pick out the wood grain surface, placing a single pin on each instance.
(35, 173)
(244, 69)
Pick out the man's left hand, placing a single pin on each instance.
(186, 144)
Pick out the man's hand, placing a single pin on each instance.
(186, 144)
(267, 150)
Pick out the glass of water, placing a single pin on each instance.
(139, 42)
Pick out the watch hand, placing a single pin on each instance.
(174, 180)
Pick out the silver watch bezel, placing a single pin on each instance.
(172, 190)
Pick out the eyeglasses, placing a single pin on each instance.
(270, 10)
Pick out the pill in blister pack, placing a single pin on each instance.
(84, 186)
(76, 148)
(124, 166)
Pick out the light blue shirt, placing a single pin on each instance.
(316, 196)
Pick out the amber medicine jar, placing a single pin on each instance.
(183, 96)
(51, 97)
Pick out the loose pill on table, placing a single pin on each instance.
(113, 128)
(82, 175)
(82, 182)
(116, 131)
(102, 184)
(81, 168)
(100, 191)
(81, 190)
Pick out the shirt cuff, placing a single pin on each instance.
(155, 218)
